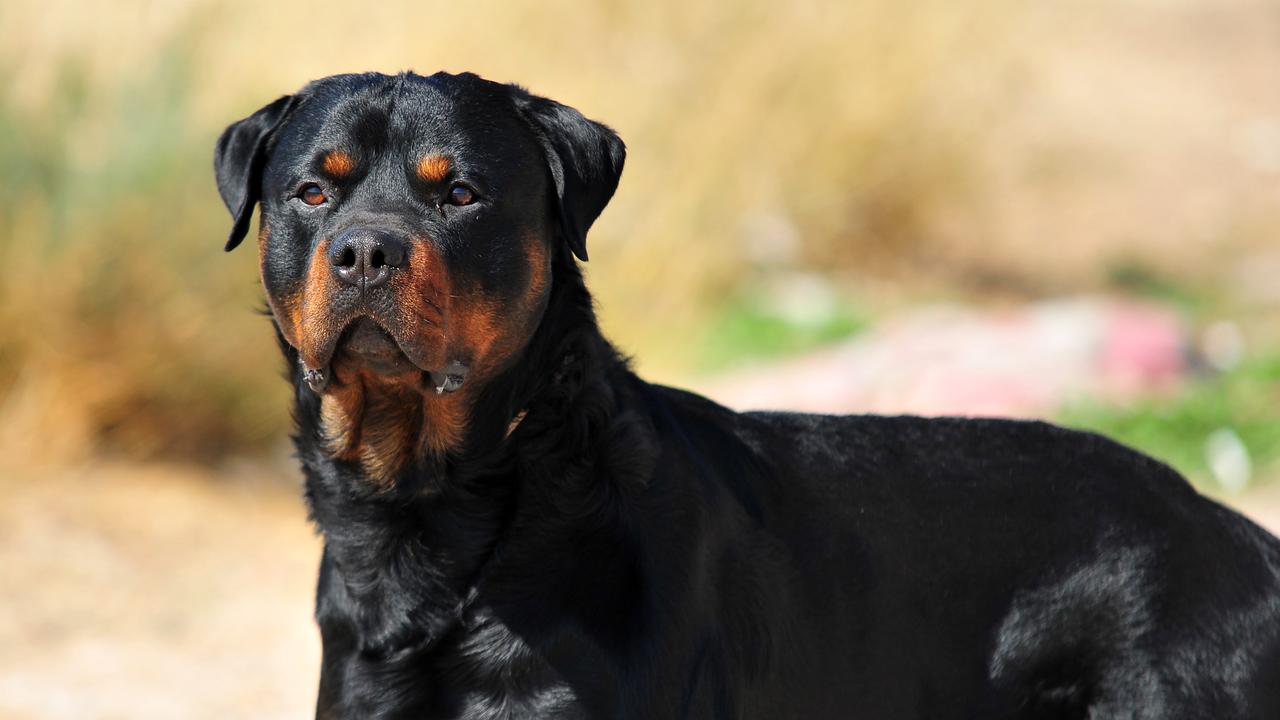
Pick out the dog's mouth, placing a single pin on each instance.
(367, 346)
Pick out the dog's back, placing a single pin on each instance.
(991, 568)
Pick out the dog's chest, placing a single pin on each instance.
(491, 673)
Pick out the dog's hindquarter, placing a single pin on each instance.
(946, 567)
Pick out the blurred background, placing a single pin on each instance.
(1063, 209)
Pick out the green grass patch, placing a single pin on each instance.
(1136, 278)
(1244, 401)
(755, 326)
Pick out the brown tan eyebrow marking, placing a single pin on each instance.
(338, 163)
(433, 168)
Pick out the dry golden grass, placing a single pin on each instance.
(900, 149)
(823, 117)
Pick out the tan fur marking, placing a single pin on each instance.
(539, 264)
(391, 418)
(477, 322)
(433, 168)
(338, 163)
(285, 309)
(372, 420)
(314, 319)
(385, 423)
(445, 419)
(341, 414)
(428, 292)
(264, 234)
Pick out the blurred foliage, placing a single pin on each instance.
(125, 329)
(872, 141)
(756, 324)
(129, 332)
(1177, 429)
(1138, 278)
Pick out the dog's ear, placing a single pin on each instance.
(585, 159)
(239, 160)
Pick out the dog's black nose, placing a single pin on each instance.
(366, 257)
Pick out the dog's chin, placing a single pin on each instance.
(365, 346)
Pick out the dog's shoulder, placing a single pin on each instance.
(959, 444)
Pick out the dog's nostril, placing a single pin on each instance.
(390, 253)
(365, 257)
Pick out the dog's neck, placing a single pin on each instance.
(428, 535)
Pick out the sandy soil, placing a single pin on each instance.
(155, 592)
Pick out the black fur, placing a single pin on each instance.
(635, 551)
(241, 156)
(584, 159)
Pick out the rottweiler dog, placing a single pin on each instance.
(515, 525)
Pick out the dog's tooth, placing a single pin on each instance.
(316, 379)
(446, 381)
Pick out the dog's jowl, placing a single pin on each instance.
(517, 526)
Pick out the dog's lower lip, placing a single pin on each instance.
(365, 337)
(369, 344)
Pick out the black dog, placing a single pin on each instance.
(517, 526)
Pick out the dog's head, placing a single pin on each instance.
(408, 223)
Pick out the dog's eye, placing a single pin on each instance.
(461, 195)
(312, 194)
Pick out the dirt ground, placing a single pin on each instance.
(163, 592)
(155, 592)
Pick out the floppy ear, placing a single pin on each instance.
(584, 157)
(240, 159)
